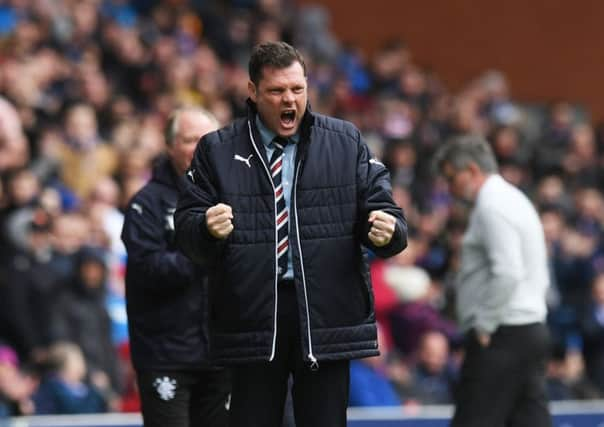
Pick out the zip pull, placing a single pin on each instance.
(314, 365)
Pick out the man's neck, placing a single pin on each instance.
(268, 135)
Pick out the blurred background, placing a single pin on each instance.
(87, 85)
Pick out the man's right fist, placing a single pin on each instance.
(218, 220)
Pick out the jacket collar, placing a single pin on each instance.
(164, 173)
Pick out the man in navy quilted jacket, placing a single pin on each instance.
(280, 207)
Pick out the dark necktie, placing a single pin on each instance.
(281, 220)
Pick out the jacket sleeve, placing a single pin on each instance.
(199, 194)
(150, 254)
(375, 193)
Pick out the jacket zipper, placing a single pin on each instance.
(274, 345)
(314, 365)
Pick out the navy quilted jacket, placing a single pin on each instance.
(336, 185)
(166, 295)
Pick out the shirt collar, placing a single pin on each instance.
(268, 135)
(491, 184)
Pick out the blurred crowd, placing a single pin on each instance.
(86, 87)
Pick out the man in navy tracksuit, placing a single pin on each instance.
(166, 296)
(278, 207)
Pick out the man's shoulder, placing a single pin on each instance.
(151, 189)
(333, 124)
(150, 196)
(504, 198)
(227, 134)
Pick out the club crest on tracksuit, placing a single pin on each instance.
(165, 387)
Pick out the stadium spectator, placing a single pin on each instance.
(370, 379)
(130, 398)
(414, 314)
(63, 390)
(556, 138)
(566, 379)
(84, 157)
(167, 295)
(592, 328)
(433, 374)
(16, 388)
(370, 386)
(80, 316)
(29, 283)
(385, 300)
(14, 148)
(69, 233)
(501, 288)
(279, 294)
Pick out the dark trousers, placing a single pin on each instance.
(184, 398)
(320, 397)
(503, 385)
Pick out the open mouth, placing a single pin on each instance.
(288, 117)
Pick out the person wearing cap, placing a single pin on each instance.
(280, 206)
(500, 293)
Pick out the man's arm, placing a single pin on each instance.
(502, 244)
(149, 253)
(375, 200)
(198, 196)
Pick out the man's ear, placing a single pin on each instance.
(251, 89)
(474, 168)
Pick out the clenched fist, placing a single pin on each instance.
(382, 227)
(218, 221)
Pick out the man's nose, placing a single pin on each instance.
(288, 97)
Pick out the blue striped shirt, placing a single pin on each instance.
(287, 174)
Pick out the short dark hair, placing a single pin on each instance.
(460, 151)
(273, 54)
